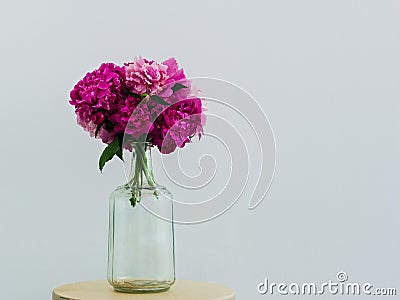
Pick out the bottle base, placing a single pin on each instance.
(141, 286)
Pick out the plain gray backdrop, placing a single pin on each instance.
(325, 72)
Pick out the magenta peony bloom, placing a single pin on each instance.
(178, 124)
(140, 122)
(97, 98)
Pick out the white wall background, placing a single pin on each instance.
(326, 73)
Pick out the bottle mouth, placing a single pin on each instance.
(146, 145)
(140, 143)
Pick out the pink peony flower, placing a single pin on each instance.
(145, 76)
(174, 73)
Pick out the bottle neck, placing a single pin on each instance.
(141, 167)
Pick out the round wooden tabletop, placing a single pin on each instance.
(181, 290)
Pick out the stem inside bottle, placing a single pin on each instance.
(141, 171)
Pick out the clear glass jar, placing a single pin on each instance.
(141, 254)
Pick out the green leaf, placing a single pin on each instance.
(119, 152)
(178, 86)
(97, 130)
(132, 94)
(114, 148)
(133, 200)
(159, 100)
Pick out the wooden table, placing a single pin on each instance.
(181, 290)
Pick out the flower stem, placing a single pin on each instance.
(141, 168)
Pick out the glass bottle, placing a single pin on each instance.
(141, 254)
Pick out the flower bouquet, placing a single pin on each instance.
(135, 107)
